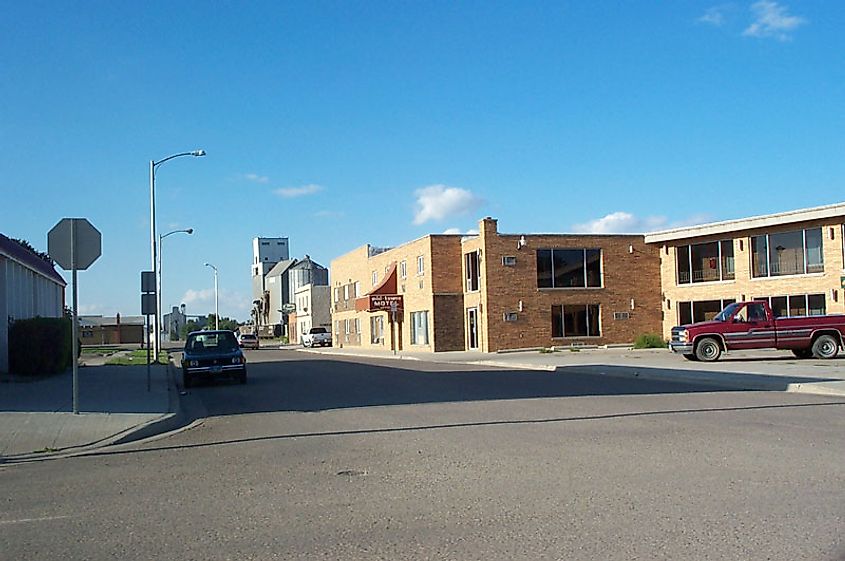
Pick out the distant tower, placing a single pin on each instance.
(266, 252)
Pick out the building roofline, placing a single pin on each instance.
(18, 253)
(750, 223)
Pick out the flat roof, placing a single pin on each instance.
(751, 223)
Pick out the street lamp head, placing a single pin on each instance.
(189, 231)
(198, 153)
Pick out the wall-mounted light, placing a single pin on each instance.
(742, 297)
(631, 248)
(632, 303)
(832, 233)
(520, 305)
(521, 242)
(740, 245)
(668, 304)
(833, 294)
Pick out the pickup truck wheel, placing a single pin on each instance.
(825, 346)
(802, 353)
(708, 350)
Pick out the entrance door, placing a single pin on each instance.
(472, 328)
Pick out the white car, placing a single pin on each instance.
(317, 337)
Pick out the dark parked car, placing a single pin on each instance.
(210, 354)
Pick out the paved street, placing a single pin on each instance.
(339, 458)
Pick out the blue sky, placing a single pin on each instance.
(343, 123)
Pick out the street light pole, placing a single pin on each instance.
(216, 300)
(153, 260)
(160, 274)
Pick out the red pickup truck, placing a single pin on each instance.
(751, 325)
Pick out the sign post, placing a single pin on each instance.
(149, 307)
(394, 306)
(74, 244)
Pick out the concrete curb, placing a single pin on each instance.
(174, 419)
(358, 355)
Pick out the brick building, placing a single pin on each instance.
(493, 291)
(794, 260)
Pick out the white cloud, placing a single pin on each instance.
(328, 214)
(470, 232)
(714, 16)
(201, 302)
(626, 223)
(291, 192)
(772, 20)
(436, 202)
(255, 178)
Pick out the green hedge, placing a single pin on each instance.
(40, 346)
(650, 341)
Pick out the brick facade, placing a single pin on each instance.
(628, 297)
(744, 286)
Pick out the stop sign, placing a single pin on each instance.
(74, 243)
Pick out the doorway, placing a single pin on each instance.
(472, 328)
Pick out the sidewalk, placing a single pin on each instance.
(36, 416)
(749, 370)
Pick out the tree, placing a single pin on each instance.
(28, 246)
(225, 323)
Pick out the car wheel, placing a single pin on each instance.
(802, 353)
(825, 346)
(708, 350)
(691, 357)
(187, 380)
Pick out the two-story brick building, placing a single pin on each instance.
(493, 291)
(794, 260)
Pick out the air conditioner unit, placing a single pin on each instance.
(509, 316)
(509, 260)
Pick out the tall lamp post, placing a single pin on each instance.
(160, 284)
(216, 301)
(153, 260)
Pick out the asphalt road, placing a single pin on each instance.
(331, 459)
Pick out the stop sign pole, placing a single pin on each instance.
(74, 244)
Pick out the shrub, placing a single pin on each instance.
(40, 346)
(650, 341)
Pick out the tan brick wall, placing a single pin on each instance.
(744, 287)
(441, 258)
(626, 275)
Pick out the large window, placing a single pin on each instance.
(705, 262)
(568, 268)
(702, 310)
(796, 305)
(377, 330)
(419, 328)
(471, 266)
(787, 253)
(576, 320)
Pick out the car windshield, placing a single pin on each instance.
(214, 342)
(726, 314)
(318, 330)
(247, 336)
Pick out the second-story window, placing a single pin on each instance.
(787, 253)
(568, 268)
(705, 262)
(357, 289)
(346, 292)
(375, 278)
(420, 264)
(403, 269)
(471, 268)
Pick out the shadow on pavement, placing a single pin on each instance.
(320, 384)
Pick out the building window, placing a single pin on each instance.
(357, 289)
(568, 268)
(336, 294)
(787, 253)
(375, 278)
(357, 325)
(576, 320)
(419, 328)
(346, 326)
(703, 310)
(346, 292)
(705, 262)
(796, 305)
(471, 267)
(420, 264)
(403, 269)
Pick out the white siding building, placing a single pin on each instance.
(29, 287)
